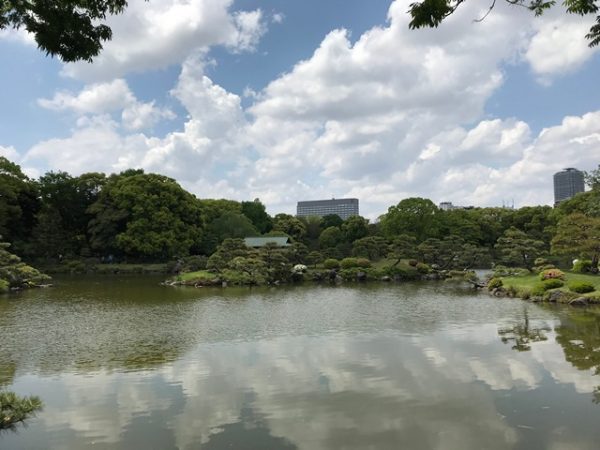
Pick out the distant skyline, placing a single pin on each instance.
(287, 101)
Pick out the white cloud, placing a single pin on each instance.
(379, 118)
(157, 34)
(103, 98)
(559, 45)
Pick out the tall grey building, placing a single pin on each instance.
(343, 207)
(567, 183)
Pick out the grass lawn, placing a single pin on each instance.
(529, 281)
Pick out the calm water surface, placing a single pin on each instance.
(123, 363)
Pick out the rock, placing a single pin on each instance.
(499, 292)
(361, 276)
(338, 279)
(556, 296)
(333, 274)
(536, 299)
(579, 301)
(224, 284)
(386, 279)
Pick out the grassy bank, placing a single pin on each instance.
(531, 286)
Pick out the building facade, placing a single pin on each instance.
(567, 183)
(343, 207)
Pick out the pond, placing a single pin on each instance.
(124, 363)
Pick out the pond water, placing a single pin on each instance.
(123, 363)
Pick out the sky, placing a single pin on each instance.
(299, 100)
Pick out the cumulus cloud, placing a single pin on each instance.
(154, 35)
(558, 45)
(103, 98)
(394, 113)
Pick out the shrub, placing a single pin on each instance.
(553, 283)
(552, 274)
(348, 263)
(4, 286)
(581, 287)
(503, 271)
(540, 262)
(494, 283)
(331, 263)
(363, 262)
(423, 268)
(538, 290)
(402, 272)
(582, 266)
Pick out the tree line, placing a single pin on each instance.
(135, 216)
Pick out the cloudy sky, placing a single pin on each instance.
(290, 101)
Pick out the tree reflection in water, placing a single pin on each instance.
(523, 333)
(251, 432)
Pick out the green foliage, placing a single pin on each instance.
(331, 263)
(538, 290)
(581, 287)
(552, 274)
(592, 179)
(494, 283)
(372, 247)
(517, 249)
(578, 235)
(582, 266)
(431, 13)
(314, 258)
(553, 283)
(355, 227)
(15, 409)
(330, 237)
(72, 30)
(415, 217)
(4, 286)
(256, 212)
(228, 250)
(19, 203)
(290, 225)
(232, 225)
(423, 268)
(403, 247)
(145, 216)
(331, 220)
(348, 263)
(17, 274)
(402, 272)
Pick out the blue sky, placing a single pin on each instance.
(290, 100)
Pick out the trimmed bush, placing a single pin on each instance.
(538, 290)
(540, 262)
(348, 263)
(494, 283)
(553, 283)
(363, 262)
(402, 272)
(582, 266)
(4, 286)
(331, 263)
(413, 262)
(423, 268)
(581, 287)
(552, 274)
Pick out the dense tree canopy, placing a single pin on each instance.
(431, 13)
(70, 29)
(145, 215)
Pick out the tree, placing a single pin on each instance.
(331, 220)
(70, 29)
(16, 274)
(145, 217)
(403, 247)
(19, 203)
(355, 227)
(232, 225)
(592, 178)
(256, 212)
(518, 249)
(228, 250)
(443, 252)
(371, 247)
(413, 216)
(431, 13)
(290, 225)
(578, 235)
(330, 237)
